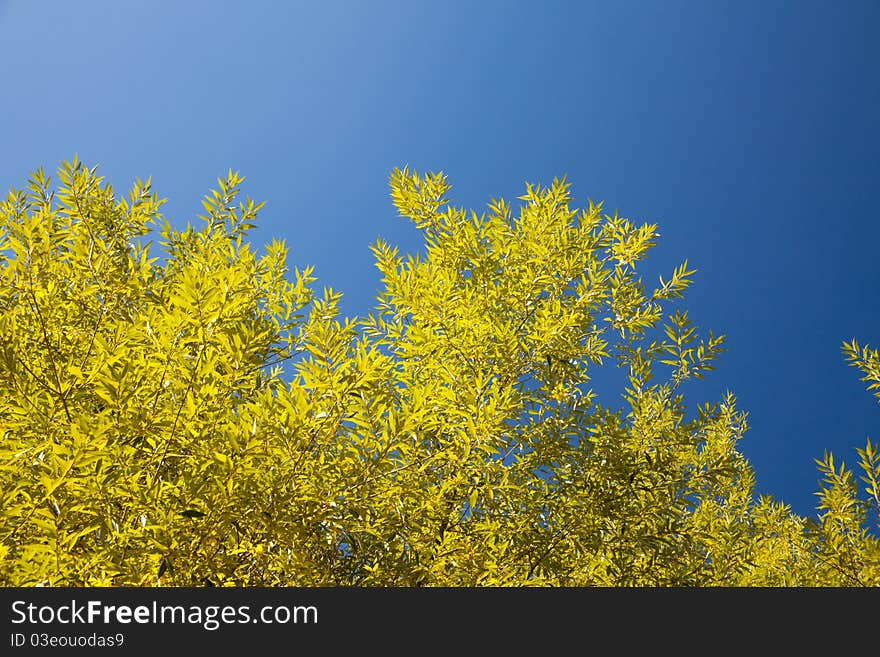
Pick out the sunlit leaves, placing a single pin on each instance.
(181, 408)
(868, 361)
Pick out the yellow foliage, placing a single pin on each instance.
(190, 412)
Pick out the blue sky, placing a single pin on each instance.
(747, 130)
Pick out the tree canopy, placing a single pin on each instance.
(181, 409)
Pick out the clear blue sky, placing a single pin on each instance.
(748, 130)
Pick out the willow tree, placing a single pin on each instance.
(194, 413)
